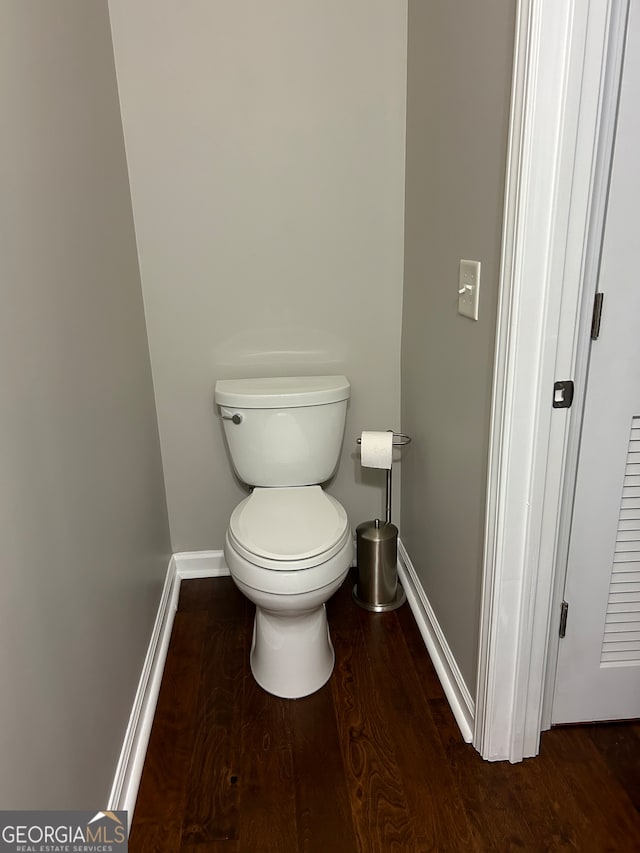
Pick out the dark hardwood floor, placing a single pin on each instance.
(372, 762)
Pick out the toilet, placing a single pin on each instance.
(288, 546)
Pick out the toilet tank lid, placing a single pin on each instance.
(281, 392)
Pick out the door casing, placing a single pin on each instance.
(567, 65)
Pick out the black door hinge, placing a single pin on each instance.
(596, 316)
(564, 609)
(562, 394)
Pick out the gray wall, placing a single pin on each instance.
(265, 144)
(82, 514)
(459, 76)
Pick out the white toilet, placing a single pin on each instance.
(288, 546)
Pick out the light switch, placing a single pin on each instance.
(469, 289)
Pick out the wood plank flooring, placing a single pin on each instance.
(372, 762)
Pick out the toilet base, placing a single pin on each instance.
(291, 653)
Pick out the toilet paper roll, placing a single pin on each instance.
(376, 449)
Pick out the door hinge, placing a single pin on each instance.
(562, 394)
(596, 316)
(564, 609)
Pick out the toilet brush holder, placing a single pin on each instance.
(378, 588)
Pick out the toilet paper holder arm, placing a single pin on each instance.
(400, 439)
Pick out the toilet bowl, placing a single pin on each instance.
(288, 550)
(288, 545)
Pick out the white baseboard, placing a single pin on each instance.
(453, 684)
(198, 564)
(129, 769)
(201, 564)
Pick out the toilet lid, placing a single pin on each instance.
(288, 524)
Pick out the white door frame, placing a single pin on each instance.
(567, 61)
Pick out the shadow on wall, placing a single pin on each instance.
(279, 351)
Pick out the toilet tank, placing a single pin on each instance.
(284, 431)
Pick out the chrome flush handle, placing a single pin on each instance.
(236, 418)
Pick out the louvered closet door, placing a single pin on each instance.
(598, 676)
(621, 640)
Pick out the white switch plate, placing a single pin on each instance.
(469, 289)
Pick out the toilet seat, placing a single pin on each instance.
(288, 528)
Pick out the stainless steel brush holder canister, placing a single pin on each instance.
(377, 588)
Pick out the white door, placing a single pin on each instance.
(598, 675)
